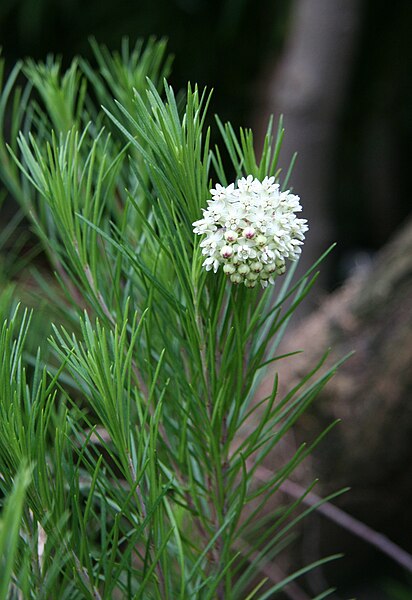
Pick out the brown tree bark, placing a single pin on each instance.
(370, 450)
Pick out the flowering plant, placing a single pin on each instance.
(123, 437)
(251, 230)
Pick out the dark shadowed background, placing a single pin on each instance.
(339, 71)
(341, 74)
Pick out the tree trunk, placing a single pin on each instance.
(308, 88)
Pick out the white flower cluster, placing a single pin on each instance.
(251, 230)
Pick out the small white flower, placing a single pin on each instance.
(270, 267)
(215, 209)
(211, 263)
(233, 219)
(244, 252)
(269, 184)
(248, 202)
(251, 229)
(204, 226)
(259, 219)
(267, 255)
(211, 242)
(245, 184)
(220, 192)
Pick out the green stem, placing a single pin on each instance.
(223, 588)
(202, 351)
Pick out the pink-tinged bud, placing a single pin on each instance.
(226, 251)
(249, 233)
(231, 236)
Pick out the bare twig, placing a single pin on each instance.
(342, 518)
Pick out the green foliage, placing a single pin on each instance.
(141, 429)
(9, 530)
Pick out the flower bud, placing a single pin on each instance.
(256, 266)
(231, 236)
(229, 269)
(270, 268)
(261, 240)
(252, 276)
(249, 233)
(243, 269)
(226, 251)
(249, 283)
(236, 278)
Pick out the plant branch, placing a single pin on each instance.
(158, 567)
(342, 518)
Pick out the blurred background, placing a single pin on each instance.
(341, 74)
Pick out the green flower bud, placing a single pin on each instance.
(243, 269)
(261, 240)
(270, 268)
(252, 276)
(256, 266)
(236, 278)
(229, 269)
(249, 283)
